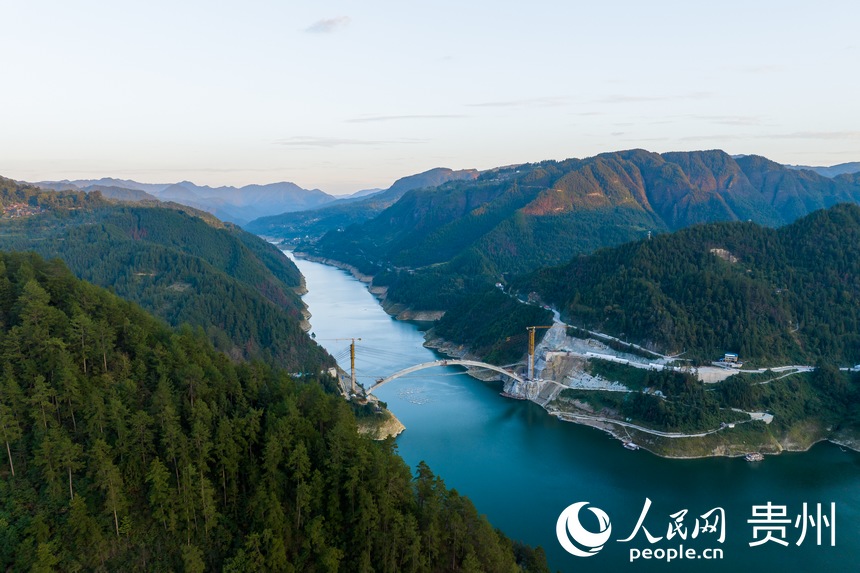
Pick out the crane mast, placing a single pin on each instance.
(351, 361)
(531, 330)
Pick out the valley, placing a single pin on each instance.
(632, 304)
(520, 465)
(450, 287)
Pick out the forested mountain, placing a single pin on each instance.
(235, 204)
(789, 295)
(434, 244)
(340, 214)
(183, 266)
(133, 447)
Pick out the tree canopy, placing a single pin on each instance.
(134, 446)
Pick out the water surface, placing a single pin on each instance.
(522, 467)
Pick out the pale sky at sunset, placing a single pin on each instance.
(349, 95)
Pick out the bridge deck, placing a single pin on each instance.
(437, 363)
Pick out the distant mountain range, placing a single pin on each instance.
(357, 208)
(241, 205)
(234, 204)
(435, 244)
(287, 211)
(833, 170)
(520, 214)
(84, 184)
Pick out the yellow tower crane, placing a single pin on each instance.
(351, 360)
(531, 330)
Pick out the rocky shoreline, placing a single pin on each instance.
(390, 427)
(671, 448)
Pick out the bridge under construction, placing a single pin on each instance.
(350, 388)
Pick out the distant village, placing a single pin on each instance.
(15, 210)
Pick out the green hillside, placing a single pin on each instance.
(463, 236)
(786, 295)
(312, 224)
(183, 266)
(133, 447)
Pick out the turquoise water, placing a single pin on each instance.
(522, 467)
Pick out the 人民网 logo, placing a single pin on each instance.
(577, 540)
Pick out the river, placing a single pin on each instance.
(522, 467)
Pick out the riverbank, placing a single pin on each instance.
(397, 310)
(522, 467)
(368, 279)
(731, 441)
(734, 440)
(385, 425)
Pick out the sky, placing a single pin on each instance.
(346, 95)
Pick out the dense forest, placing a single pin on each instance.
(180, 264)
(436, 246)
(131, 446)
(494, 325)
(787, 295)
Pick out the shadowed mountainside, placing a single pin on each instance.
(340, 214)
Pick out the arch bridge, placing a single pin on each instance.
(437, 363)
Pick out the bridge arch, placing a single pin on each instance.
(437, 363)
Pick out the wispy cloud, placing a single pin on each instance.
(757, 69)
(303, 141)
(626, 98)
(374, 118)
(619, 98)
(824, 135)
(742, 120)
(328, 25)
(724, 137)
(849, 152)
(526, 102)
(808, 135)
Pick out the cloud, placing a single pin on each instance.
(809, 135)
(757, 69)
(370, 119)
(730, 119)
(724, 137)
(824, 135)
(328, 25)
(853, 154)
(624, 98)
(307, 142)
(527, 102)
